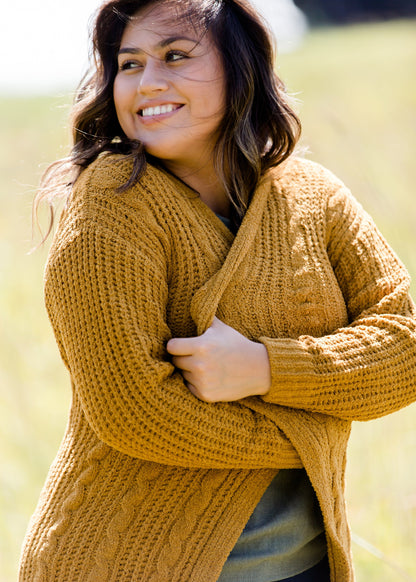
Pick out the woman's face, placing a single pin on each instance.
(169, 89)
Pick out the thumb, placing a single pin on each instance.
(216, 327)
(217, 322)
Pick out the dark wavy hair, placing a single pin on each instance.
(259, 128)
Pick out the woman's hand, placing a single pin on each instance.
(222, 365)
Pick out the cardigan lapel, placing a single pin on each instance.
(206, 299)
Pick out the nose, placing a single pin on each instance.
(153, 78)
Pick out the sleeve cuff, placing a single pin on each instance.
(291, 372)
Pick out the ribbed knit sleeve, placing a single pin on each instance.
(106, 295)
(368, 368)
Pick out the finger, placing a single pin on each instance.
(192, 389)
(189, 379)
(182, 362)
(197, 393)
(179, 346)
(201, 394)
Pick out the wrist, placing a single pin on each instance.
(264, 376)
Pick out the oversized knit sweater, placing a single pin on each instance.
(150, 484)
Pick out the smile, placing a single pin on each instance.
(159, 110)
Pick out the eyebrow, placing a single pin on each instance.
(163, 43)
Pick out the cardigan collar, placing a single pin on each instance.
(205, 301)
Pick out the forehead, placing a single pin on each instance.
(165, 19)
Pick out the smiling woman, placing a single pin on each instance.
(225, 309)
(169, 92)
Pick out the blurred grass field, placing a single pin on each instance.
(357, 97)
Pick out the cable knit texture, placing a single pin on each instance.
(151, 484)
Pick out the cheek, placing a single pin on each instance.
(124, 93)
(122, 100)
(215, 102)
(119, 96)
(216, 91)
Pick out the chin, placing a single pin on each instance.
(164, 152)
(163, 155)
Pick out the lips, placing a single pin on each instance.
(158, 110)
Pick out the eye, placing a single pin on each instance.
(174, 56)
(129, 65)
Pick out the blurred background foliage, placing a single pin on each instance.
(349, 11)
(356, 94)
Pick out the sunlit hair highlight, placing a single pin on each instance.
(259, 129)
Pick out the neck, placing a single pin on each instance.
(205, 181)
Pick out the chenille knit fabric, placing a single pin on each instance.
(150, 484)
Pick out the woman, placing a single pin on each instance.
(224, 309)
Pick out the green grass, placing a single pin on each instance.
(357, 95)
(358, 105)
(34, 394)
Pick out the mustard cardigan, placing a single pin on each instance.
(150, 484)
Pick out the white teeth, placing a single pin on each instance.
(159, 110)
